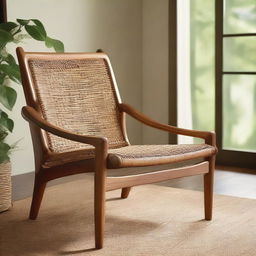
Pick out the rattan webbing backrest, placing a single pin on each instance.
(77, 95)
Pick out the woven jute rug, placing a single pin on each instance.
(154, 220)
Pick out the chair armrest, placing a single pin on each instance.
(32, 116)
(209, 137)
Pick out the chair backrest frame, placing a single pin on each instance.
(39, 137)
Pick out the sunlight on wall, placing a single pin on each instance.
(196, 83)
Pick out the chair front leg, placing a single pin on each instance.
(99, 208)
(208, 189)
(99, 194)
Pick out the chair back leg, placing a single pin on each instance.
(125, 192)
(208, 189)
(39, 188)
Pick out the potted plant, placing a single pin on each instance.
(14, 32)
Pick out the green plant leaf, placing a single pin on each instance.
(8, 96)
(4, 157)
(5, 37)
(8, 26)
(53, 43)
(4, 150)
(40, 25)
(36, 32)
(3, 134)
(10, 59)
(11, 70)
(6, 122)
(2, 77)
(4, 146)
(22, 22)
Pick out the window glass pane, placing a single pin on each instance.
(239, 53)
(202, 69)
(239, 112)
(239, 16)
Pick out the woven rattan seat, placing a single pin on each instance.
(77, 122)
(145, 155)
(138, 155)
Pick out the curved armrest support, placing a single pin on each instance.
(32, 116)
(209, 137)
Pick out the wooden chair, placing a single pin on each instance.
(77, 122)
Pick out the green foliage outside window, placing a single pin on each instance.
(239, 91)
(202, 63)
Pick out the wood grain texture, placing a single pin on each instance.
(125, 192)
(153, 177)
(209, 137)
(39, 188)
(99, 193)
(208, 189)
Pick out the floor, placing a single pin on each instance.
(153, 220)
(184, 233)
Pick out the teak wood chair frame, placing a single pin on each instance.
(98, 164)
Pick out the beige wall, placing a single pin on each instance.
(85, 25)
(155, 67)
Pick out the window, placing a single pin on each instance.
(216, 75)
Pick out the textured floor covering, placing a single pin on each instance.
(154, 220)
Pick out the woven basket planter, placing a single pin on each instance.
(5, 186)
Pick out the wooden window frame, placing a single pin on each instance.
(173, 96)
(225, 156)
(3, 11)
